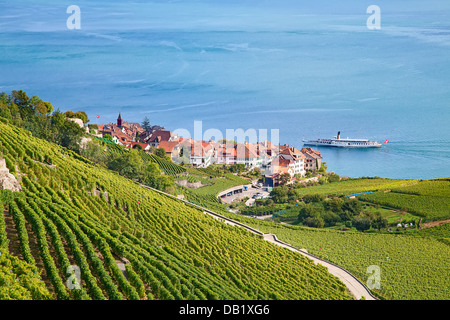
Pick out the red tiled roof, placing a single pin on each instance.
(283, 147)
(293, 152)
(281, 161)
(312, 153)
(168, 146)
(160, 135)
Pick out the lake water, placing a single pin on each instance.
(309, 70)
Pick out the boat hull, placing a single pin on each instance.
(342, 145)
(338, 142)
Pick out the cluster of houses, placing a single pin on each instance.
(272, 160)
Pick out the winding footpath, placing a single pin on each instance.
(355, 286)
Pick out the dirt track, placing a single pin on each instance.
(434, 223)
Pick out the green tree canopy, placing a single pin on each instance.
(361, 223)
(280, 194)
(160, 152)
(352, 205)
(128, 164)
(80, 115)
(146, 124)
(284, 178)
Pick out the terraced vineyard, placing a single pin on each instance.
(72, 215)
(167, 166)
(414, 266)
(352, 186)
(429, 199)
(440, 233)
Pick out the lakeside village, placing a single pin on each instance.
(276, 162)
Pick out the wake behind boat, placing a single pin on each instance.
(343, 143)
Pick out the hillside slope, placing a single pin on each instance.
(413, 266)
(132, 243)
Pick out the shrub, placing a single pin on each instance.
(314, 222)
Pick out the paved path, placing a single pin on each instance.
(356, 287)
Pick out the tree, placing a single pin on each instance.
(237, 168)
(183, 157)
(20, 98)
(323, 167)
(69, 114)
(284, 178)
(146, 124)
(322, 180)
(108, 137)
(279, 194)
(152, 172)
(330, 218)
(166, 184)
(255, 172)
(314, 222)
(310, 210)
(69, 135)
(39, 106)
(378, 222)
(160, 152)
(292, 195)
(128, 164)
(333, 177)
(334, 204)
(308, 198)
(154, 179)
(352, 205)
(80, 115)
(361, 223)
(138, 147)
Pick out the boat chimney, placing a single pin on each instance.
(339, 135)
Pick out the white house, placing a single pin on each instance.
(201, 154)
(298, 158)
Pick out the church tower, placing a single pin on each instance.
(119, 121)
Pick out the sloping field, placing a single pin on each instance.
(429, 199)
(352, 186)
(128, 242)
(413, 266)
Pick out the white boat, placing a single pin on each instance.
(343, 143)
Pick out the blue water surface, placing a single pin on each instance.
(307, 68)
